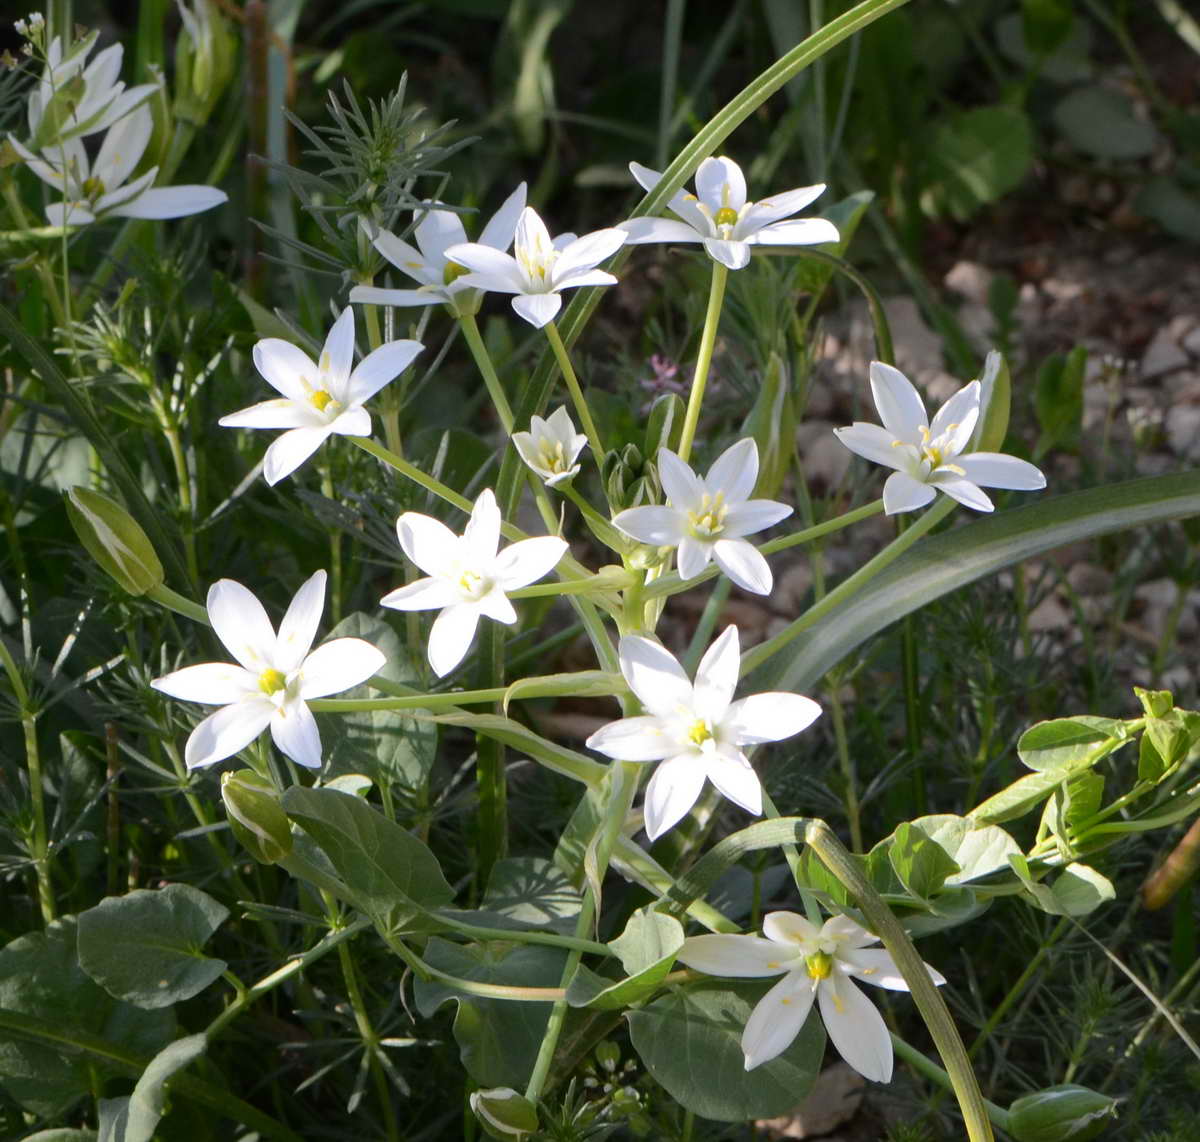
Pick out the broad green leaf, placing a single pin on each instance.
(951, 907)
(498, 1039)
(977, 850)
(385, 745)
(578, 683)
(1175, 208)
(966, 554)
(995, 402)
(1066, 1113)
(534, 892)
(1080, 889)
(396, 878)
(40, 976)
(145, 947)
(62, 1134)
(1046, 25)
(1069, 62)
(1101, 121)
(690, 1042)
(1151, 765)
(1068, 742)
(135, 1118)
(1058, 400)
(1173, 734)
(974, 157)
(920, 863)
(1021, 797)
(646, 950)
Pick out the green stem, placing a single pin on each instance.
(483, 360)
(173, 601)
(846, 762)
(335, 546)
(671, 584)
(821, 838)
(568, 374)
(708, 339)
(848, 587)
(927, 1067)
(37, 796)
(619, 802)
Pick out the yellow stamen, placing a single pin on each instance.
(271, 681)
(452, 271)
(700, 732)
(320, 400)
(726, 216)
(710, 519)
(820, 965)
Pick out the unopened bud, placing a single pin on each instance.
(1156, 703)
(256, 817)
(504, 1114)
(1066, 1113)
(114, 540)
(204, 59)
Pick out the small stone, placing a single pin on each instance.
(834, 1099)
(1089, 579)
(1163, 355)
(1191, 342)
(1061, 290)
(970, 280)
(826, 459)
(1183, 430)
(1049, 615)
(792, 588)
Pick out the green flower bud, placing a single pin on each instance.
(1066, 1113)
(256, 816)
(114, 540)
(504, 1114)
(608, 1055)
(1156, 703)
(664, 423)
(205, 54)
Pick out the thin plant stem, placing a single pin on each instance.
(708, 339)
(572, 382)
(33, 762)
(335, 547)
(491, 378)
(846, 763)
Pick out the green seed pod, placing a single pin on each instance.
(504, 1114)
(114, 540)
(1066, 1113)
(256, 816)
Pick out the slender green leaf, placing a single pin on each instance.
(1066, 742)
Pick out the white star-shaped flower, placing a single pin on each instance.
(72, 100)
(467, 575)
(274, 676)
(98, 190)
(696, 730)
(929, 458)
(319, 399)
(816, 964)
(539, 266)
(708, 518)
(719, 216)
(552, 447)
(441, 279)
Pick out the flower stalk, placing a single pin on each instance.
(708, 340)
(572, 382)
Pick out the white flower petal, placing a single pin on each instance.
(282, 413)
(588, 252)
(428, 542)
(693, 555)
(777, 1019)
(578, 278)
(285, 367)
(735, 471)
(720, 183)
(227, 731)
(900, 406)
(537, 308)
(744, 564)
(876, 966)
(753, 516)
(495, 604)
(672, 791)
(354, 421)
(531, 233)
(337, 355)
(769, 717)
(451, 635)
(370, 295)
(123, 147)
(733, 957)
(338, 665)
(848, 933)
(901, 493)
(172, 202)
(798, 232)
(436, 232)
(785, 927)
(996, 470)
(641, 738)
(298, 627)
(491, 269)
(962, 490)
(503, 224)
(660, 526)
(654, 675)
(212, 683)
(108, 203)
(240, 622)
(777, 206)
(644, 230)
(717, 676)
(294, 731)
(960, 410)
(733, 255)
(682, 486)
(69, 214)
(423, 595)
(874, 443)
(291, 450)
(481, 536)
(856, 1029)
(405, 258)
(380, 367)
(646, 178)
(736, 779)
(527, 561)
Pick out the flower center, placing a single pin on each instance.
(271, 681)
(536, 261)
(700, 732)
(93, 188)
(320, 400)
(819, 965)
(553, 456)
(473, 585)
(452, 272)
(726, 216)
(709, 520)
